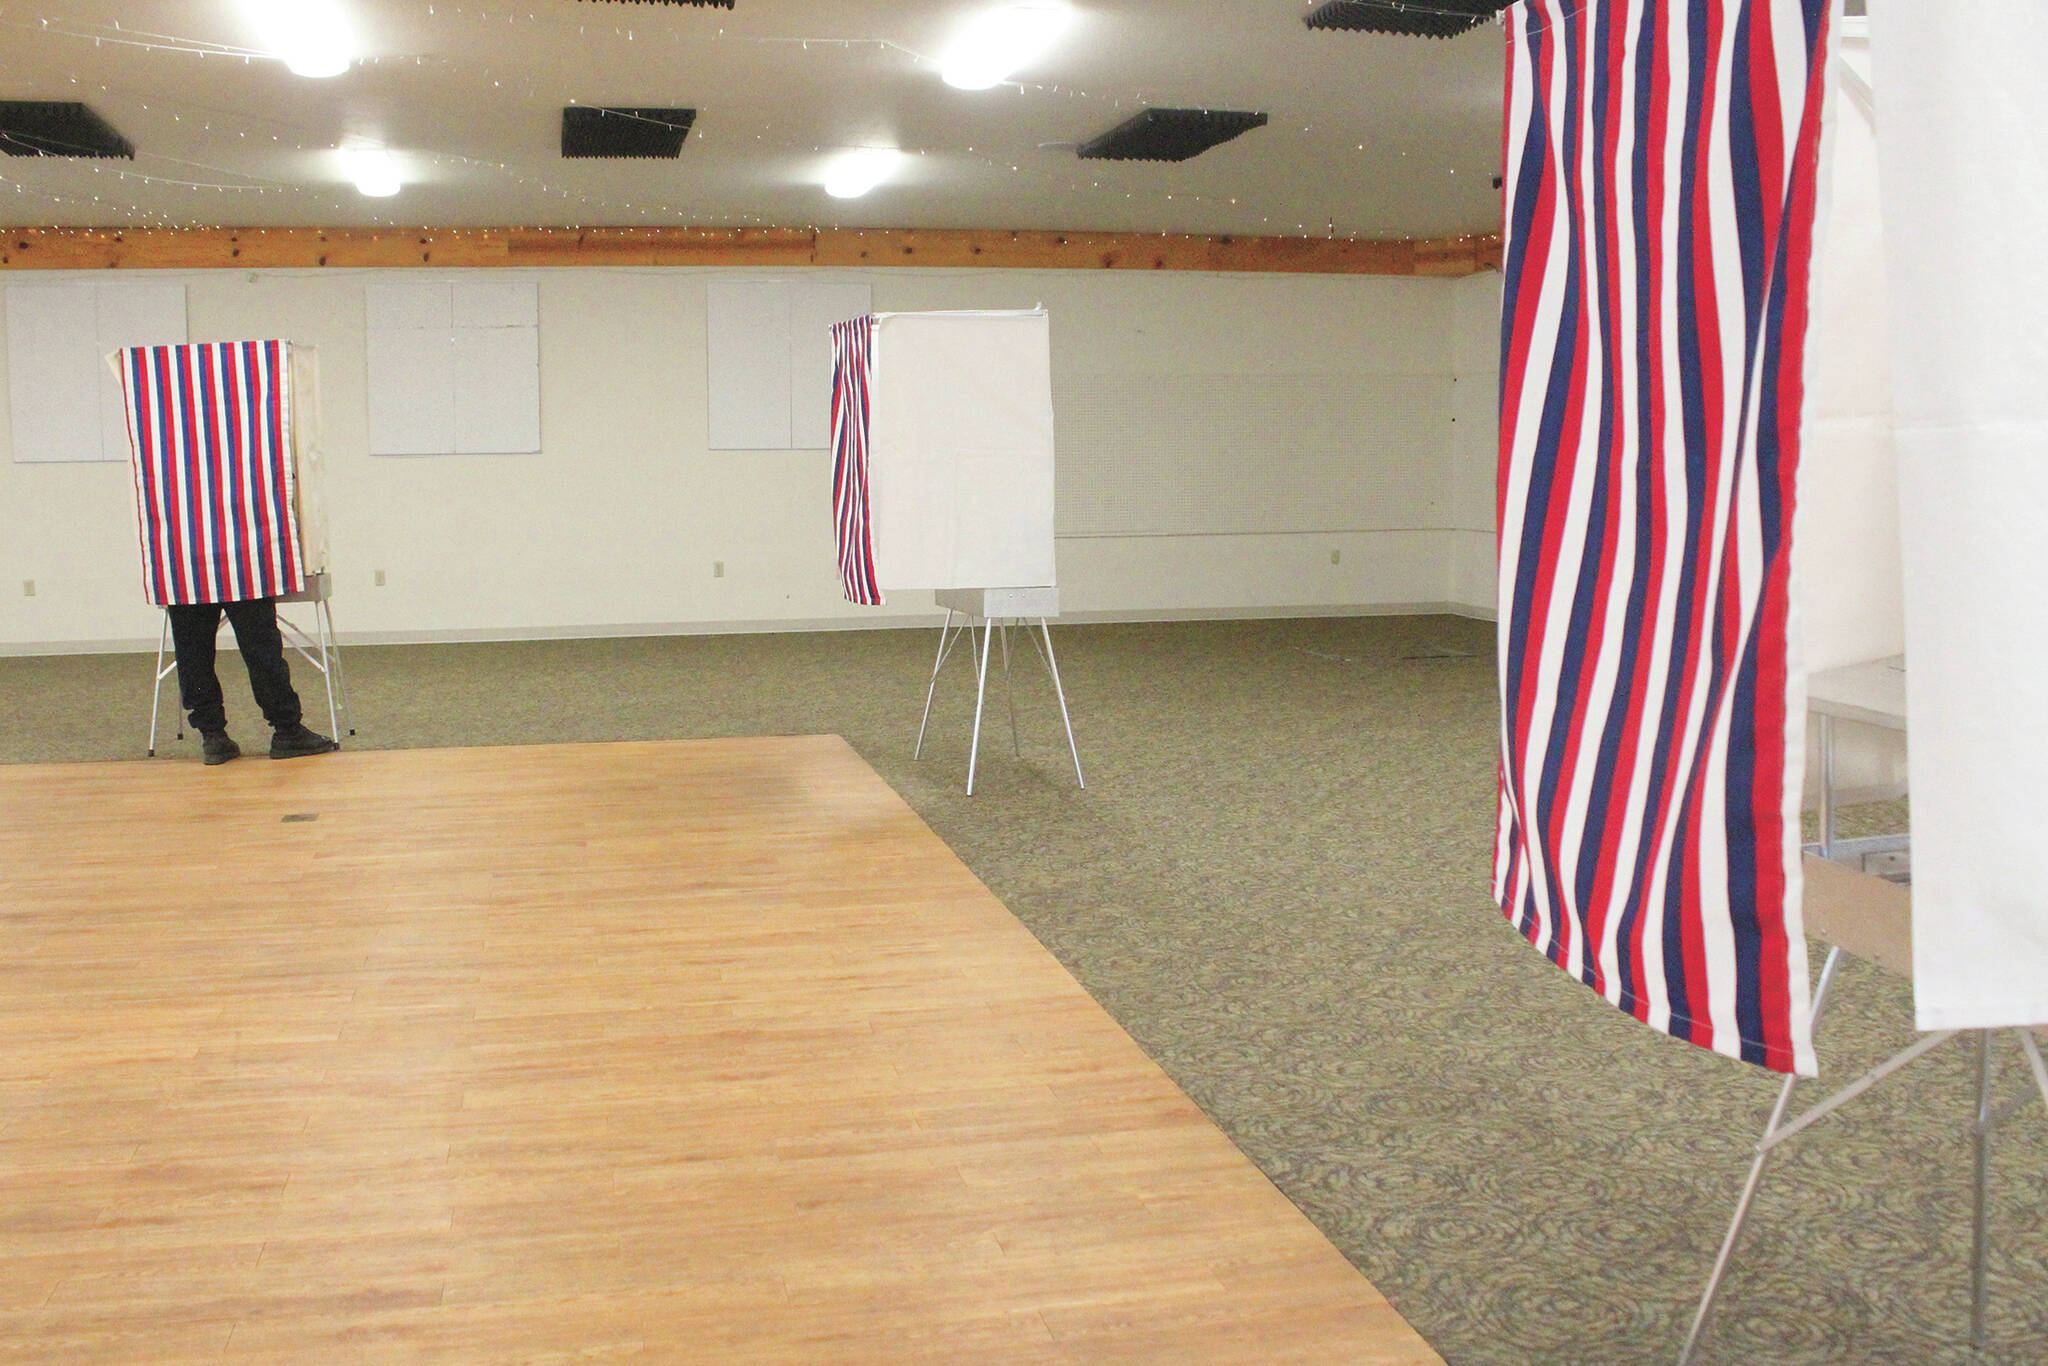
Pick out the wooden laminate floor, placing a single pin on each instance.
(698, 1051)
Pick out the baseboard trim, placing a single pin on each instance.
(895, 622)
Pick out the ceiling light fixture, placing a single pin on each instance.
(374, 170)
(852, 174)
(312, 37)
(998, 41)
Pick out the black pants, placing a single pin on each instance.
(270, 678)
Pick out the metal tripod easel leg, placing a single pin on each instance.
(1984, 1122)
(995, 632)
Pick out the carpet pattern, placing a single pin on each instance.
(1276, 881)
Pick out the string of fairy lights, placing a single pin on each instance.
(225, 190)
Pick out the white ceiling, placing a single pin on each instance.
(1370, 135)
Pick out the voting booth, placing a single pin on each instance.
(224, 445)
(1758, 431)
(942, 439)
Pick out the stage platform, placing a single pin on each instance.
(694, 1051)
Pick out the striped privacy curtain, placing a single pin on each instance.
(209, 429)
(1661, 167)
(852, 370)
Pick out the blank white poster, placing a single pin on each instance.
(747, 351)
(495, 369)
(1964, 184)
(454, 366)
(65, 403)
(412, 391)
(960, 450)
(769, 357)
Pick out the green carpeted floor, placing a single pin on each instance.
(1277, 881)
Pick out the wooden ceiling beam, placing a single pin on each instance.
(954, 248)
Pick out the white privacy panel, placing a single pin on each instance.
(769, 356)
(1964, 187)
(960, 462)
(66, 404)
(454, 366)
(1161, 455)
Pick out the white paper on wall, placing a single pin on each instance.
(747, 352)
(66, 406)
(490, 364)
(960, 464)
(412, 390)
(454, 366)
(1963, 93)
(768, 353)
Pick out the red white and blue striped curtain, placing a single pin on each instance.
(853, 368)
(209, 430)
(1662, 159)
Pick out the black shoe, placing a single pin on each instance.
(296, 742)
(219, 746)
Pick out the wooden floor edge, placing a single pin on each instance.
(132, 248)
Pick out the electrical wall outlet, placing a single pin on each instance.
(380, 578)
(718, 569)
(28, 588)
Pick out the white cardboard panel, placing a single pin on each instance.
(814, 307)
(496, 303)
(53, 373)
(960, 466)
(747, 351)
(1964, 179)
(1847, 539)
(412, 391)
(497, 390)
(139, 314)
(309, 457)
(401, 303)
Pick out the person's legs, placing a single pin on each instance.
(192, 635)
(262, 645)
(270, 678)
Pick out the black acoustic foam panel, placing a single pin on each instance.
(591, 131)
(48, 128)
(1420, 18)
(1170, 134)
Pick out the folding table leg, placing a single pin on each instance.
(326, 646)
(1764, 1149)
(348, 715)
(1061, 692)
(156, 693)
(933, 685)
(1980, 1231)
(980, 688)
(1010, 689)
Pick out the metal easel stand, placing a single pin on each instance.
(317, 648)
(972, 603)
(1778, 1129)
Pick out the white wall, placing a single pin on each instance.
(615, 526)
